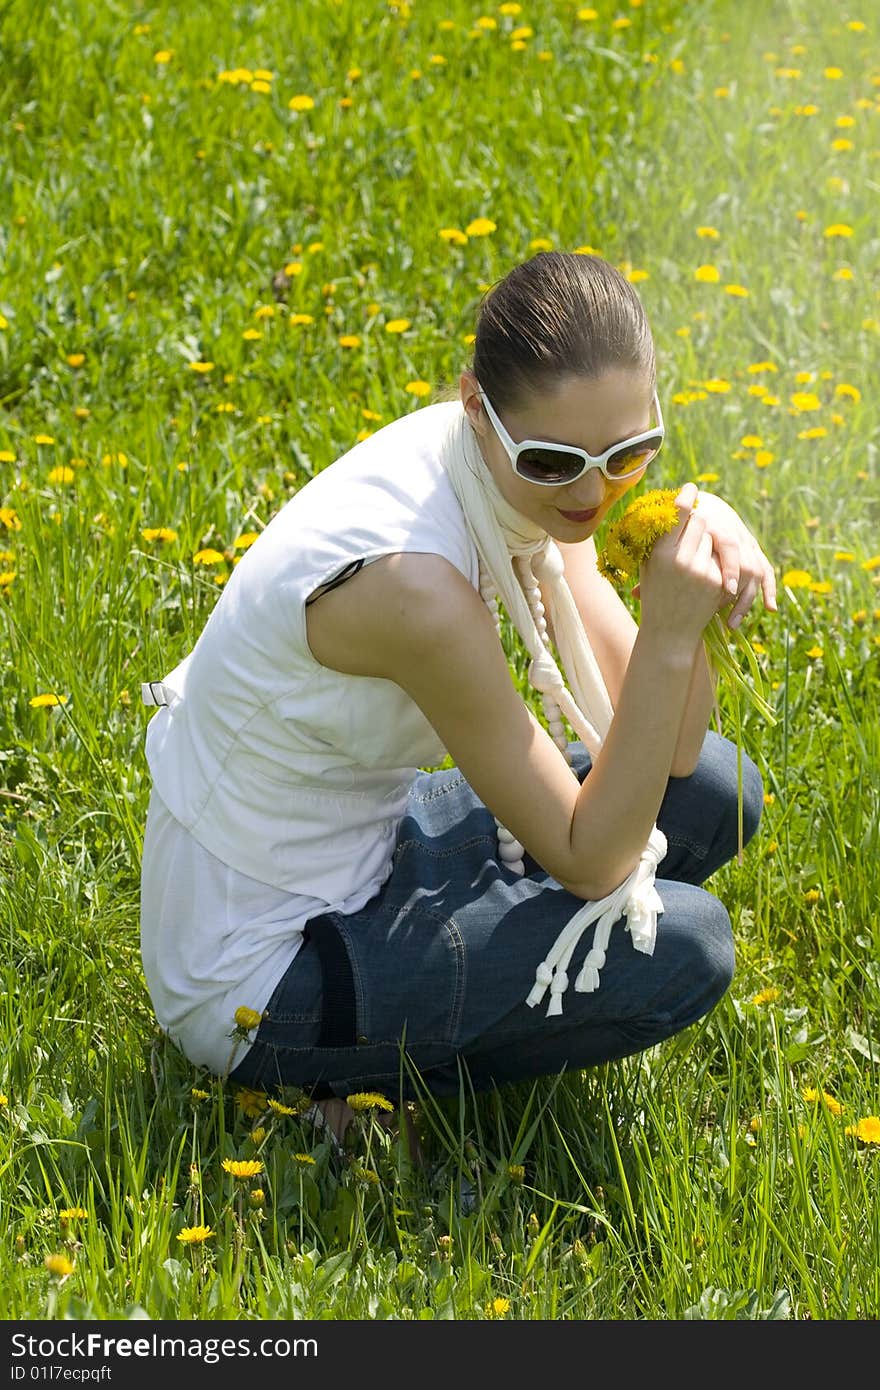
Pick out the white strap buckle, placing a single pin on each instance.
(154, 693)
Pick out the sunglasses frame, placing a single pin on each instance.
(514, 450)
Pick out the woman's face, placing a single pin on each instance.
(591, 413)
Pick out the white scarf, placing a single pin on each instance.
(501, 535)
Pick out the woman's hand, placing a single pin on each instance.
(743, 564)
(681, 584)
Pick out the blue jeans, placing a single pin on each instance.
(438, 965)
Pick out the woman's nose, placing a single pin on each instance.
(587, 492)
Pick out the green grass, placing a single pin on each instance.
(146, 208)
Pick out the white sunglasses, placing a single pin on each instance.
(555, 465)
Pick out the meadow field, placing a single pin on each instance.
(236, 239)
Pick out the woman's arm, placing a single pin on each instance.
(612, 632)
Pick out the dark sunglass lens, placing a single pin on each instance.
(632, 456)
(548, 466)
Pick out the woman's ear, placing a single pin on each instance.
(470, 399)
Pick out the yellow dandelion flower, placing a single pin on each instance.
(587, 14)
(397, 325)
(797, 579)
(707, 274)
(242, 1168)
(812, 896)
(261, 86)
(766, 996)
(867, 1129)
(4, 1099)
(279, 1108)
(159, 533)
(752, 441)
(301, 102)
(852, 393)
(252, 335)
(516, 1172)
(251, 1103)
(756, 1124)
(540, 243)
(871, 564)
(350, 340)
(838, 229)
(43, 701)
(499, 1307)
(208, 557)
(707, 477)
(75, 359)
(767, 399)
(247, 1018)
(860, 617)
(59, 1265)
(453, 235)
(711, 233)
(833, 73)
(297, 319)
(7, 456)
(737, 291)
(199, 1095)
(815, 653)
(842, 145)
(44, 439)
(805, 400)
(845, 556)
(72, 1214)
(6, 578)
(242, 542)
(201, 367)
(481, 226)
(305, 1160)
(364, 1101)
(717, 385)
(763, 457)
(418, 388)
(816, 432)
(821, 586)
(195, 1235)
(163, 56)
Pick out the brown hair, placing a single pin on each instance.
(557, 315)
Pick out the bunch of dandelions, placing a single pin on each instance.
(628, 543)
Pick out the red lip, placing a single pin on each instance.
(578, 516)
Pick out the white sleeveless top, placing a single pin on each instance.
(289, 779)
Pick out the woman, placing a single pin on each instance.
(394, 928)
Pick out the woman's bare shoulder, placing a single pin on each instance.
(404, 598)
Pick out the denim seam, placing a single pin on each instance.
(453, 852)
(437, 792)
(682, 842)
